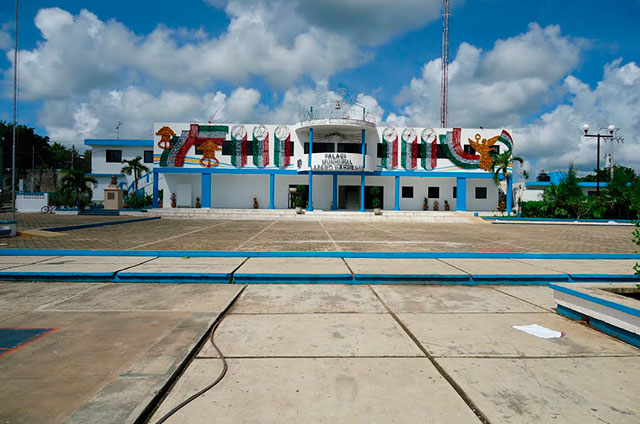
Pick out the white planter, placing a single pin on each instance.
(377, 211)
(298, 209)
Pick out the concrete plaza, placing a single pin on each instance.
(308, 353)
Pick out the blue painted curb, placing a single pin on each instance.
(407, 278)
(270, 254)
(170, 277)
(609, 304)
(55, 276)
(619, 333)
(292, 278)
(592, 278)
(99, 224)
(520, 277)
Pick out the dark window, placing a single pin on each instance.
(148, 156)
(291, 148)
(381, 152)
(592, 193)
(469, 150)
(199, 150)
(350, 148)
(433, 192)
(455, 192)
(114, 156)
(441, 152)
(227, 147)
(320, 148)
(481, 192)
(407, 192)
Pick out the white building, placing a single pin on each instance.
(338, 159)
(106, 161)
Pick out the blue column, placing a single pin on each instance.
(156, 203)
(310, 207)
(364, 163)
(397, 205)
(461, 194)
(509, 196)
(272, 183)
(335, 192)
(206, 190)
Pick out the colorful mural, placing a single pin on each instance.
(207, 137)
(389, 148)
(429, 149)
(239, 150)
(260, 146)
(409, 154)
(282, 146)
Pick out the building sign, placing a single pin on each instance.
(337, 162)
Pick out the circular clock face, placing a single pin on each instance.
(282, 132)
(260, 132)
(389, 134)
(238, 132)
(428, 135)
(409, 134)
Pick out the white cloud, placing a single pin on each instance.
(499, 87)
(555, 140)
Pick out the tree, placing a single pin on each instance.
(565, 199)
(73, 185)
(31, 148)
(500, 164)
(136, 167)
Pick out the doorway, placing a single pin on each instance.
(349, 197)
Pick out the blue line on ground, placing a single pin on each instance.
(99, 224)
(307, 254)
(620, 333)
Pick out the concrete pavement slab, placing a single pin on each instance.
(98, 260)
(21, 260)
(482, 335)
(382, 269)
(541, 296)
(327, 390)
(286, 298)
(311, 335)
(16, 296)
(152, 297)
(294, 269)
(557, 390)
(586, 266)
(487, 268)
(450, 299)
(189, 269)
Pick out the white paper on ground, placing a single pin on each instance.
(539, 331)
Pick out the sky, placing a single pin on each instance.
(538, 68)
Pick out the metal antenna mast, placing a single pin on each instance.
(444, 88)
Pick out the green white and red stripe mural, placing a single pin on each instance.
(239, 147)
(409, 159)
(260, 146)
(282, 147)
(390, 148)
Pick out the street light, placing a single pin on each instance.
(612, 129)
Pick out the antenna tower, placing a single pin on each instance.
(444, 88)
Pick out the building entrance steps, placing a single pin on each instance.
(316, 214)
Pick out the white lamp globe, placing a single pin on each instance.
(612, 128)
(585, 127)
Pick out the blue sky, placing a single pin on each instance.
(540, 68)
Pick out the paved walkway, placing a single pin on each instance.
(309, 353)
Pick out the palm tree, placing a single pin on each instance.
(136, 167)
(76, 183)
(500, 164)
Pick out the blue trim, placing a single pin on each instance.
(521, 277)
(234, 171)
(509, 203)
(206, 191)
(590, 278)
(597, 300)
(515, 218)
(173, 277)
(272, 184)
(461, 194)
(98, 224)
(117, 142)
(106, 175)
(308, 254)
(362, 192)
(292, 278)
(34, 192)
(334, 206)
(586, 184)
(619, 333)
(396, 206)
(8, 222)
(156, 192)
(310, 201)
(56, 276)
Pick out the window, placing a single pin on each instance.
(227, 148)
(320, 148)
(350, 148)
(433, 192)
(148, 156)
(114, 156)
(469, 150)
(441, 152)
(592, 193)
(199, 150)
(407, 192)
(291, 144)
(481, 192)
(455, 192)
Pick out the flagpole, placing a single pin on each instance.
(15, 119)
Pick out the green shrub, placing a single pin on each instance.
(534, 209)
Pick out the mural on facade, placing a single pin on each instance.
(209, 138)
(260, 146)
(409, 158)
(282, 146)
(389, 148)
(429, 149)
(239, 148)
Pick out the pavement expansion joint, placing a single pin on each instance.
(523, 300)
(465, 397)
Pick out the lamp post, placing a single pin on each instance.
(611, 129)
